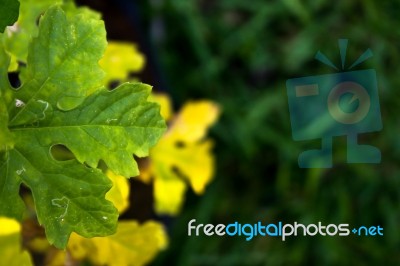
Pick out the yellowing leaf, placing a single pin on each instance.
(39, 245)
(165, 103)
(57, 257)
(171, 165)
(133, 244)
(182, 155)
(9, 226)
(120, 59)
(194, 120)
(10, 247)
(169, 194)
(119, 192)
(78, 246)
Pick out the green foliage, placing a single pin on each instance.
(62, 101)
(6, 139)
(8, 13)
(17, 39)
(64, 48)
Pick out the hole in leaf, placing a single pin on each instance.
(21, 64)
(141, 201)
(132, 75)
(61, 153)
(15, 82)
(112, 85)
(38, 19)
(87, 165)
(30, 226)
(178, 173)
(180, 144)
(102, 166)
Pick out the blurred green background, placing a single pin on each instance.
(240, 53)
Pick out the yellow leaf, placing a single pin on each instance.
(119, 193)
(194, 120)
(38, 245)
(120, 59)
(10, 244)
(169, 195)
(170, 165)
(133, 244)
(145, 171)
(56, 257)
(165, 103)
(78, 246)
(9, 226)
(182, 154)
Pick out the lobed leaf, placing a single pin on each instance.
(60, 102)
(108, 126)
(64, 49)
(18, 37)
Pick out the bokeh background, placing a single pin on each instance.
(240, 53)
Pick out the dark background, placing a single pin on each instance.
(240, 53)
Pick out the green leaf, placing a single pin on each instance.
(109, 126)
(18, 37)
(6, 140)
(8, 13)
(62, 73)
(68, 196)
(64, 49)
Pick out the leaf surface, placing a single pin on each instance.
(18, 37)
(64, 49)
(9, 10)
(6, 139)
